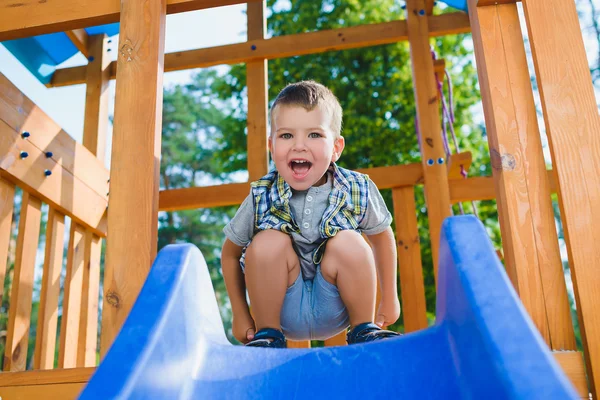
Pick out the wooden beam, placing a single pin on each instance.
(573, 366)
(79, 37)
(410, 266)
(56, 376)
(287, 46)
(485, 3)
(95, 125)
(19, 315)
(459, 162)
(23, 115)
(64, 391)
(426, 97)
(45, 338)
(429, 6)
(34, 17)
(258, 102)
(572, 125)
(531, 250)
(135, 161)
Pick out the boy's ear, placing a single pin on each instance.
(338, 147)
(269, 144)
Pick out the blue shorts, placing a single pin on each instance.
(313, 310)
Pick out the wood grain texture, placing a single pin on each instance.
(71, 307)
(19, 314)
(95, 125)
(35, 17)
(88, 321)
(286, 46)
(572, 364)
(79, 38)
(135, 161)
(258, 102)
(45, 340)
(7, 200)
(63, 391)
(410, 266)
(437, 193)
(44, 377)
(530, 242)
(572, 125)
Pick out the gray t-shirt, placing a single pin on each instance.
(308, 207)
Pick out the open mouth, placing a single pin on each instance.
(300, 168)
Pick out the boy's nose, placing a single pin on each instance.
(299, 145)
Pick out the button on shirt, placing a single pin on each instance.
(308, 207)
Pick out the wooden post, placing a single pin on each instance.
(529, 238)
(256, 80)
(96, 96)
(19, 314)
(414, 308)
(88, 321)
(573, 128)
(7, 200)
(45, 341)
(135, 164)
(437, 193)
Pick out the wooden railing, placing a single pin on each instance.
(51, 169)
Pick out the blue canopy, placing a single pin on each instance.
(41, 54)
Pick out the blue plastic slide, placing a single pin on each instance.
(483, 345)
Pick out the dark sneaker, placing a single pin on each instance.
(368, 332)
(268, 337)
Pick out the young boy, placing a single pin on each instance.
(295, 242)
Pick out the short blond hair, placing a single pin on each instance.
(309, 95)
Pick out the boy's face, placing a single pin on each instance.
(303, 145)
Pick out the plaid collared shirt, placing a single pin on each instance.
(347, 205)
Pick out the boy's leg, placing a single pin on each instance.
(349, 264)
(271, 267)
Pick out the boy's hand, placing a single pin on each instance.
(388, 311)
(243, 327)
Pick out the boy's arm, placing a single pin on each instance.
(384, 250)
(243, 325)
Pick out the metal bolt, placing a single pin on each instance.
(421, 12)
(440, 160)
(404, 6)
(91, 58)
(24, 154)
(253, 47)
(49, 154)
(430, 161)
(47, 172)
(25, 135)
(108, 49)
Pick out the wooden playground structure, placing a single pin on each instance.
(50, 168)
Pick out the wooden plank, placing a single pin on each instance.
(44, 377)
(133, 211)
(429, 6)
(35, 17)
(95, 126)
(574, 367)
(22, 115)
(256, 81)
(432, 150)
(531, 250)
(572, 125)
(7, 200)
(484, 3)
(293, 344)
(410, 266)
(45, 340)
(287, 46)
(337, 340)
(63, 391)
(79, 37)
(88, 322)
(58, 189)
(19, 314)
(457, 163)
(71, 308)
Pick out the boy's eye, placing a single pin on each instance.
(314, 135)
(286, 136)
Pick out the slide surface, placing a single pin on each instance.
(483, 345)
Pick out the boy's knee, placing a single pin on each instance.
(268, 243)
(347, 243)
